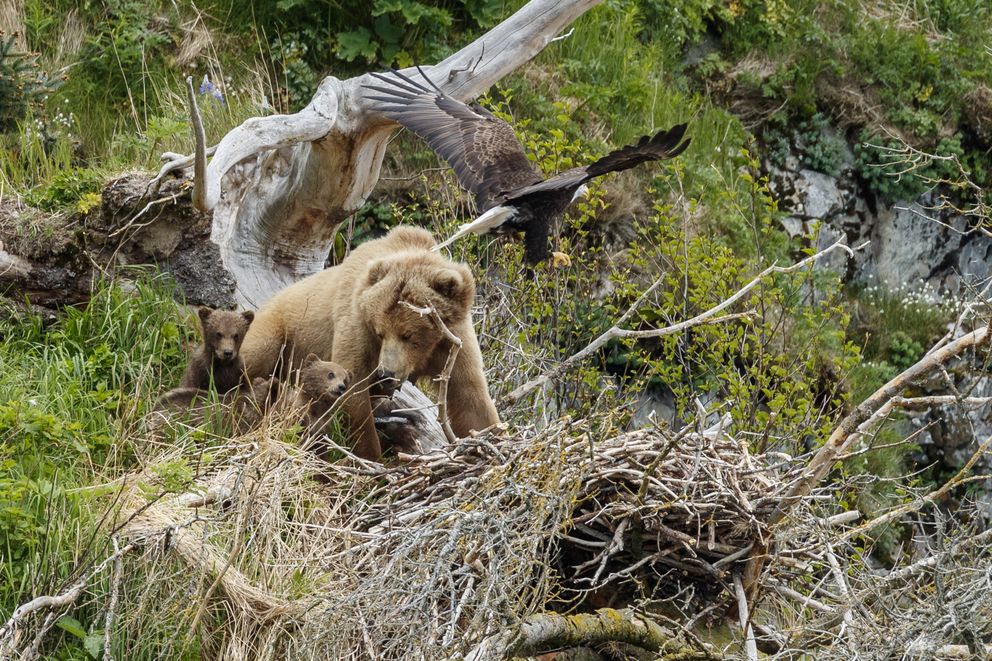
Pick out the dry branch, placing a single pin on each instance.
(200, 140)
(279, 186)
(707, 317)
(550, 631)
(449, 365)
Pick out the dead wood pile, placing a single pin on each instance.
(433, 555)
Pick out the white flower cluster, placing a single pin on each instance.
(916, 297)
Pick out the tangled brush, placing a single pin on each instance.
(435, 554)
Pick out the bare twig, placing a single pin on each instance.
(707, 317)
(200, 153)
(449, 365)
(743, 615)
(115, 591)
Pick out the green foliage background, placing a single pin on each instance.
(73, 393)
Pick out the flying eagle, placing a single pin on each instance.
(490, 162)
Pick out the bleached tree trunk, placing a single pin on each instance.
(280, 186)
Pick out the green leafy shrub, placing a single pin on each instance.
(810, 138)
(296, 76)
(894, 172)
(66, 189)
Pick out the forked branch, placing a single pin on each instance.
(707, 317)
(449, 365)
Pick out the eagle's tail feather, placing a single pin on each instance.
(487, 221)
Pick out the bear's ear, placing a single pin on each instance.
(310, 359)
(204, 313)
(454, 285)
(249, 316)
(377, 271)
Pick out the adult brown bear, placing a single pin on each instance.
(351, 314)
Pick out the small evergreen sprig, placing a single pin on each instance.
(23, 85)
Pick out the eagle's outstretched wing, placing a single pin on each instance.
(481, 148)
(664, 144)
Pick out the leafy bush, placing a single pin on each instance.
(811, 140)
(66, 189)
(894, 173)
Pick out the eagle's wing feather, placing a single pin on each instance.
(482, 149)
(664, 144)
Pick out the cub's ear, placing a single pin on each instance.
(204, 313)
(377, 271)
(310, 359)
(249, 316)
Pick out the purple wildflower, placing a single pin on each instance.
(207, 87)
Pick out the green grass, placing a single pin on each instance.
(71, 395)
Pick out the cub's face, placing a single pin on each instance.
(322, 380)
(224, 331)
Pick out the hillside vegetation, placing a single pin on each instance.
(89, 90)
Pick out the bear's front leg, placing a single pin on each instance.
(469, 405)
(361, 423)
(352, 349)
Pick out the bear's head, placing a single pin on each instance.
(224, 331)
(322, 380)
(407, 340)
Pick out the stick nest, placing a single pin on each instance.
(429, 556)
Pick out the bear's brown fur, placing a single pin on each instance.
(218, 359)
(320, 383)
(351, 314)
(241, 408)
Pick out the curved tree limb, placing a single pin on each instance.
(200, 139)
(280, 186)
(707, 317)
(551, 631)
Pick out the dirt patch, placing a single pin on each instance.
(65, 251)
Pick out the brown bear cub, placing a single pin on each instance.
(320, 383)
(218, 359)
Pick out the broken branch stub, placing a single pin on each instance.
(280, 186)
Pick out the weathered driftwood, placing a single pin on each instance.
(550, 631)
(280, 186)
